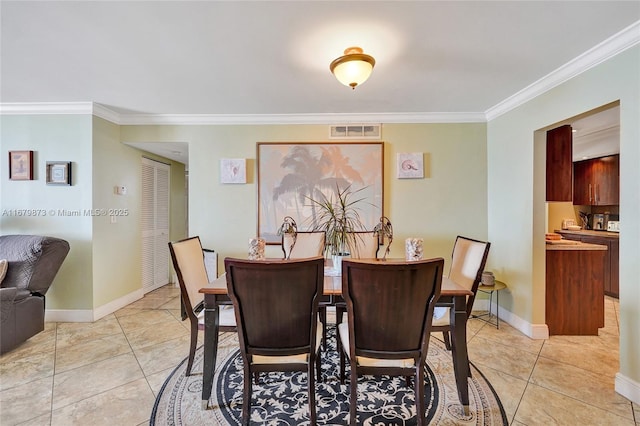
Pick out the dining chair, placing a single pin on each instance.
(389, 313)
(364, 245)
(303, 244)
(276, 308)
(467, 263)
(188, 261)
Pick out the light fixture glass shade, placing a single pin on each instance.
(354, 68)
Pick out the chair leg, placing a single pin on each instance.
(246, 397)
(342, 360)
(319, 367)
(312, 392)
(192, 347)
(353, 400)
(447, 340)
(322, 312)
(420, 396)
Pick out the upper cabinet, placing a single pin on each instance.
(559, 164)
(597, 181)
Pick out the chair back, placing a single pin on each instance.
(188, 262)
(276, 304)
(363, 245)
(467, 263)
(307, 244)
(390, 306)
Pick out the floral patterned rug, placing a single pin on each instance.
(281, 398)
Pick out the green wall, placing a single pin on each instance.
(102, 271)
(53, 138)
(516, 182)
(450, 201)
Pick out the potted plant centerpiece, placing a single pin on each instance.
(338, 216)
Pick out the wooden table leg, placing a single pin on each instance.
(460, 356)
(211, 327)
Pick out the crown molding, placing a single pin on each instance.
(79, 108)
(41, 108)
(603, 51)
(257, 119)
(609, 48)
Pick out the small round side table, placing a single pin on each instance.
(490, 289)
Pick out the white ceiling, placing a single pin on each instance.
(267, 58)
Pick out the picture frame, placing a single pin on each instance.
(287, 172)
(21, 165)
(410, 165)
(59, 173)
(233, 170)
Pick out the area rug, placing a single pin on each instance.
(281, 398)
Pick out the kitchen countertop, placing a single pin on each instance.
(573, 245)
(590, 232)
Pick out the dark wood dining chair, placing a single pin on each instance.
(188, 261)
(276, 307)
(389, 313)
(363, 245)
(467, 264)
(307, 244)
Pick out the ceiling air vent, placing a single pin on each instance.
(355, 131)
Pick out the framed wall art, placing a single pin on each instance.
(290, 175)
(21, 165)
(410, 165)
(233, 170)
(58, 173)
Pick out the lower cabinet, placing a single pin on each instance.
(574, 297)
(611, 273)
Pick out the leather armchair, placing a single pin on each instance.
(33, 262)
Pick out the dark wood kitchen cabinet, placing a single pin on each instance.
(559, 164)
(574, 300)
(612, 263)
(597, 181)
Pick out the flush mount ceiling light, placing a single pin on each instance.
(354, 68)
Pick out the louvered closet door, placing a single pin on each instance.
(155, 224)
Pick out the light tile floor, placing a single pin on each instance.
(109, 372)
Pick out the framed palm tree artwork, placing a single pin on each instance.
(292, 177)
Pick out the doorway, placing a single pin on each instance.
(155, 224)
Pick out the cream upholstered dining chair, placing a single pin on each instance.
(389, 313)
(467, 263)
(188, 261)
(303, 244)
(276, 308)
(364, 245)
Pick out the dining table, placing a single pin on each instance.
(452, 295)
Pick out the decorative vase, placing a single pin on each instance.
(256, 248)
(413, 248)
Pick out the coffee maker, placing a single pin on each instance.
(600, 221)
(597, 222)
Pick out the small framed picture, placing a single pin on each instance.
(233, 170)
(410, 165)
(21, 165)
(58, 173)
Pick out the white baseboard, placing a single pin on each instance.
(628, 388)
(114, 305)
(68, 315)
(534, 331)
(89, 315)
